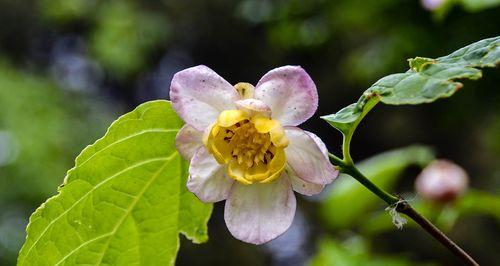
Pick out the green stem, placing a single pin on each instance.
(336, 160)
(382, 194)
(401, 205)
(346, 142)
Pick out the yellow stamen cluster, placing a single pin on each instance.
(251, 145)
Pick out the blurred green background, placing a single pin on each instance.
(69, 67)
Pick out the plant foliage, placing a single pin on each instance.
(125, 201)
(426, 81)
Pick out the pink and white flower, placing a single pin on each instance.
(244, 147)
(442, 181)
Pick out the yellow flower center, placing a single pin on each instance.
(251, 144)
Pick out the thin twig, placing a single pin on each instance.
(402, 206)
(405, 208)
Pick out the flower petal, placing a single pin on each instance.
(208, 179)
(198, 95)
(259, 213)
(319, 142)
(254, 106)
(230, 117)
(301, 186)
(188, 140)
(290, 93)
(273, 127)
(245, 90)
(306, 156)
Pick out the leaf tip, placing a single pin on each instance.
(326, 117)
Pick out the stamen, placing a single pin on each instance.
(245, 147)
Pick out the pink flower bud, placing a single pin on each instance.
(432, 4)
(442, 181)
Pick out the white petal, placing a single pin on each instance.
(188, 140)
(306, 156)
(208, 179)
(290, 93)
(301, 186)
(319, 142)
(259, 213)
(254, 105)
(198, 95)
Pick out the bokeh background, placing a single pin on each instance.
(70, 67)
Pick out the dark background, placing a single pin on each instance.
(69, 67)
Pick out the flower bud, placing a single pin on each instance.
(432, 4)
(441, 181)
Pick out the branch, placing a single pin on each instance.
(402, 206)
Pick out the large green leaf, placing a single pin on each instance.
(124, 202)
(347, 203)
(42, 128)
(426, 81)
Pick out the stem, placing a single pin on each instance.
(404, 207)
(385, 196)
(346, 142)
(336, 160)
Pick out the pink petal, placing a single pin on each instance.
(187, 141)
(319, 142)
(301, 186)
(198, 95)
(291, 94)
(259, 213)
(254, 105)
(208, 179)
(306, 155)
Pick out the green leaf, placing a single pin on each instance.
(476, 201)
(347, 201)
(478, 5)
(431, 79)
(124, 202)
(41, 125)
(425, 82)
(347, 119)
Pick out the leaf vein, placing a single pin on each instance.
(154, 130)
(135, 201)
(91, 190)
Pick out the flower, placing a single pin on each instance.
(441, 181)
(432, 4)
(244, 147)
